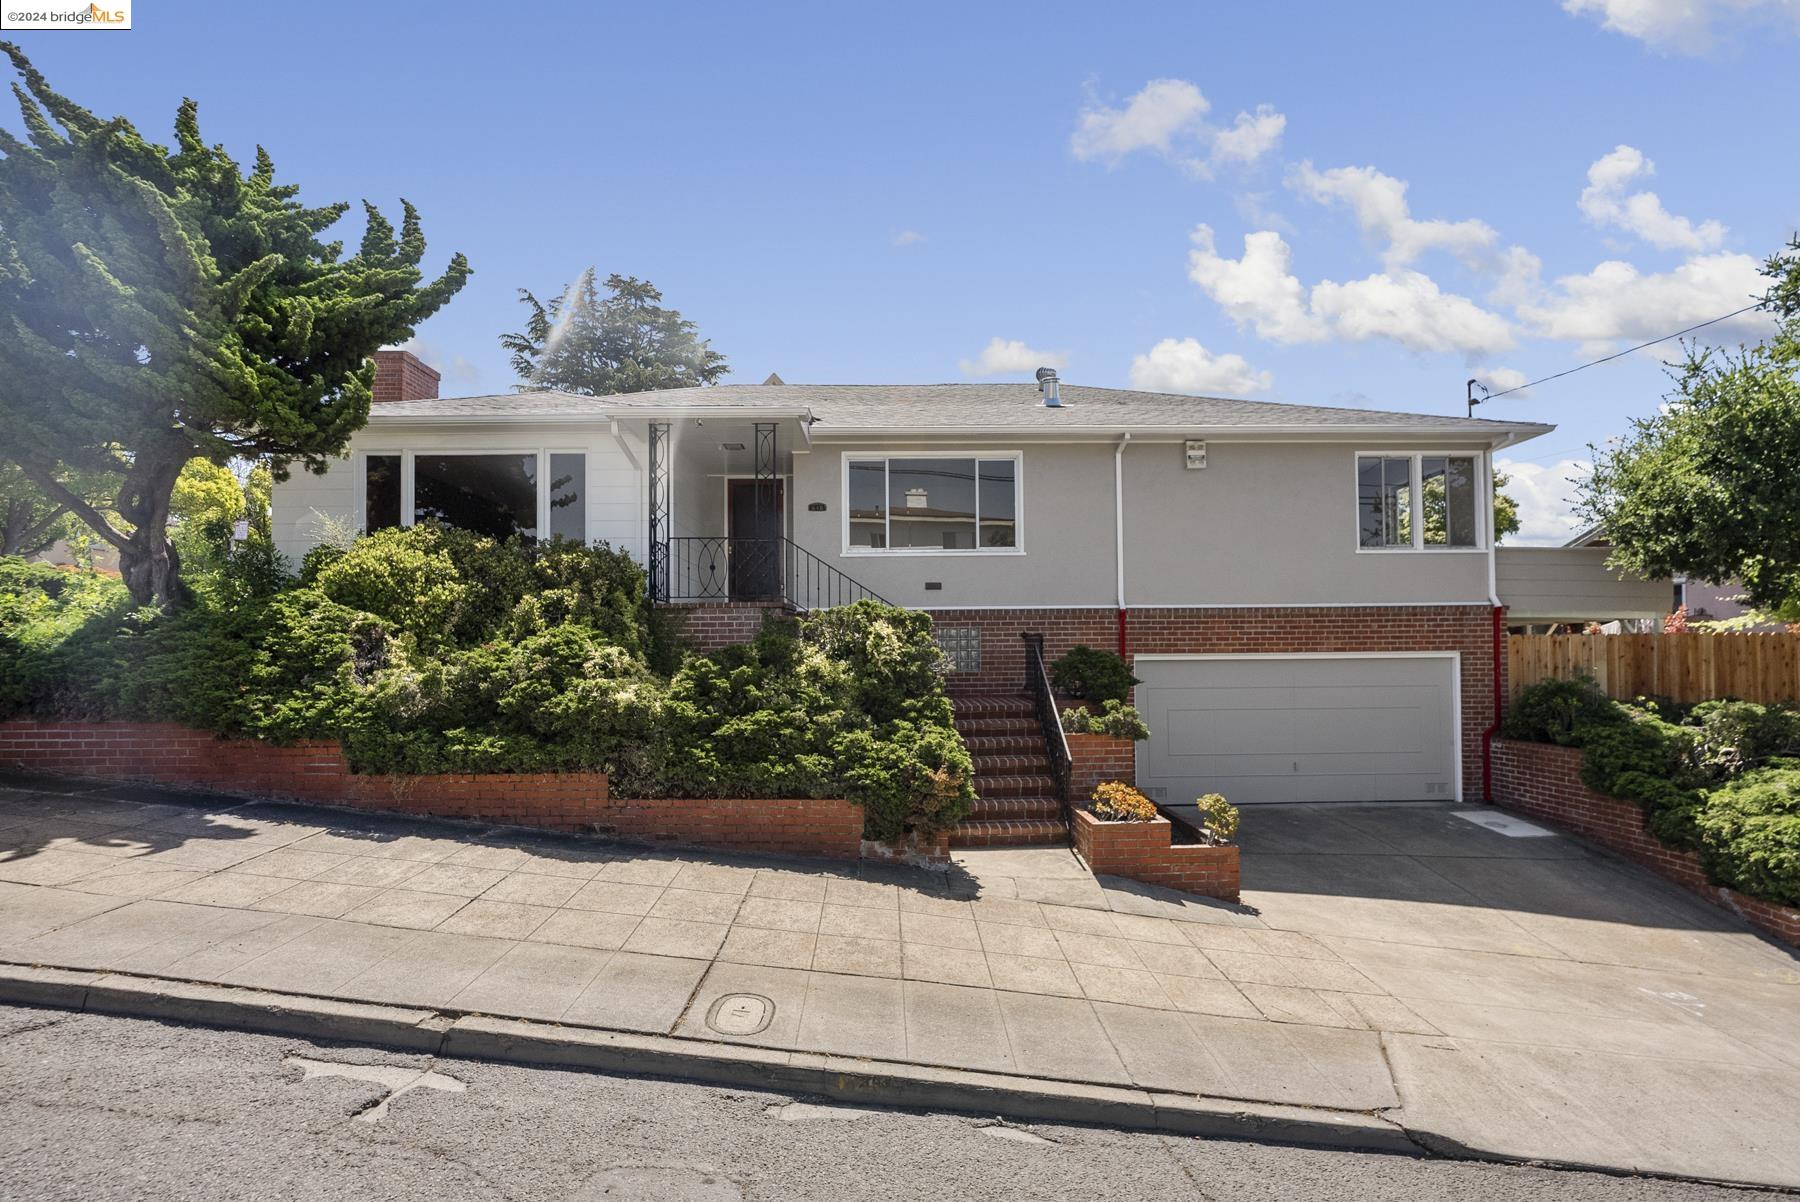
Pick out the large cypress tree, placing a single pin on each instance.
(157, 305)
(625, 341)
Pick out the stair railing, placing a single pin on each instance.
(1037, 685)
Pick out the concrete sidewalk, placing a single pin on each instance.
(1393, 966)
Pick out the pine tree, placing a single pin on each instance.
(625, 342)
(157, 305)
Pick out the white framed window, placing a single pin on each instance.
(530, 492)
(933, 503)
(1421, 501)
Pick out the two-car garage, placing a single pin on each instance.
(1301, 727)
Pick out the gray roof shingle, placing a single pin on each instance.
(953, 407)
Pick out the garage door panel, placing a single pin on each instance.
(1295, 729)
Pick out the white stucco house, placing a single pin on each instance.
(1311, 596)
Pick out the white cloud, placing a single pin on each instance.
(1379, 202)
(1004, 357)
(1407, 307)
(1154, 119)
(1183, 365)
(908, 238)
(1681, 26)
(1616, 302)
(1250, 137)
(1518, 270)
(1259, 289)
(460, 373)
(1167, 118)
(1605, 203)
(1501, 379)
(1545, 494)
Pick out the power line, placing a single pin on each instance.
(1493, 396)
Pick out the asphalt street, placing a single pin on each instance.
(95, 1108)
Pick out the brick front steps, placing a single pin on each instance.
(1544, 781)
(1016, 803)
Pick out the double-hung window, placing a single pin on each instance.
(931, 503)
(1418, 501)
(529, 493)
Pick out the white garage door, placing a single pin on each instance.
(1270, 728)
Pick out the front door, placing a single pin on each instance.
(754, 509)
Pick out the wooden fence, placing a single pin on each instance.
(1683, 667)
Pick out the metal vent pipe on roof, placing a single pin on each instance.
(1050, 387)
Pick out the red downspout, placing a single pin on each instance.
(1487, 736)
(1122, 654)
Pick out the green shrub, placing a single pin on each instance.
(1749, 833)
(1735, 736)
(434, 650)
(1115, 720)
(406, 578)
(1092, 675)
(1550, 711)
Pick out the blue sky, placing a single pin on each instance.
(860, 193)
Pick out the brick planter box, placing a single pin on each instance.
(166, 754)
(1095, 758)
(1544, 781)
(1143, 852)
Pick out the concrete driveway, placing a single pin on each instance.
(1520, 997)
(1577, 1004)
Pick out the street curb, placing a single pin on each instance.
(550, 1045)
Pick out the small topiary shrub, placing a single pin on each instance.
(1116, 801)
(1092, 675)
(1114, 720)
(1218, 817)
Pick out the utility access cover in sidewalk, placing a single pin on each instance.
(740, 1014)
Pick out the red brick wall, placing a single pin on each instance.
(1467, 629)
(706, 627)
(570, 801)
(403, 376)
(1142, 852)
(1544, 781)
(1095, 758)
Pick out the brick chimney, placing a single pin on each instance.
(403, 376)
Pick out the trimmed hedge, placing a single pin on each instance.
(1721, 778)
(433, 650)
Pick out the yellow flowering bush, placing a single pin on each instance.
(1116, 801)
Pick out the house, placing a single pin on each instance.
(1309, 594)
(1704, 602)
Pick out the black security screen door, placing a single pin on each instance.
(754, 513)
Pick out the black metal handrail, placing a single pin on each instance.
(1037, 684)
(721, 568)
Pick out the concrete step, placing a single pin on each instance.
(1010, 832)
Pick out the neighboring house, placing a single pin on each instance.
(1307, 593)
(1704, 602)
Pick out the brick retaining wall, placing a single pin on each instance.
(708, 626)
(1142, 851)
(1095, 758)
(1544, 781)
(163, 753)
